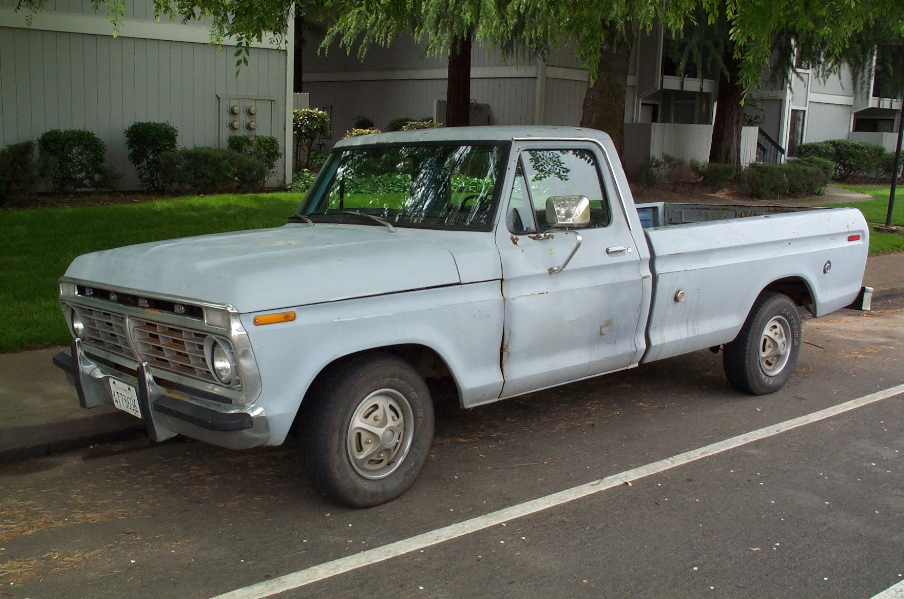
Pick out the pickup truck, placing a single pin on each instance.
(503, 259)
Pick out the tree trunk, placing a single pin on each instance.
(604, 102)
(458, 94)
(726, 142)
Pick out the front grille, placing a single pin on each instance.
(171, 348)
(105, 330)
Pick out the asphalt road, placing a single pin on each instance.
(812, 511)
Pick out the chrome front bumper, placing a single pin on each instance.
(164, 413)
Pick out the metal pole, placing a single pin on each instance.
(894, 172)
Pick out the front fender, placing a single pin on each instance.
(461, 323)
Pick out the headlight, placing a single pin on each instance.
(78, 326)
(221, 361)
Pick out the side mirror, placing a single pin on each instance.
(567, 211)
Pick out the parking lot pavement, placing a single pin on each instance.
(812, 511)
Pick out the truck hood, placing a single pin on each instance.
(288, 266)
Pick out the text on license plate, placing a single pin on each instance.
(125, 397)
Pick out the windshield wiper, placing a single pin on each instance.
(372, 217)
(297, 218)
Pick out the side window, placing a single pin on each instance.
(547, 173)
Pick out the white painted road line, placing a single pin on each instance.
(326, 570)
(895, 592)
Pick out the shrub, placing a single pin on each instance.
(772, 180)
(72, 159)
(887, 165)
(425, 123)
(818, 149)
(648, 175)
(207, 170)
(302, 181)
(363, 122)
(307, 125)
(249, 172)
(263, 148)
(397, 124)
(18, 171)
(766, 180)
(146, 142)
(823, 164)
(804, 179)
(316, 159)
(851, 158)
(359, 132)
(718, 176)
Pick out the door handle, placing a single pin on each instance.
(616, 249)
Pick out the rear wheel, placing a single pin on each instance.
(369, 431)
(762, 357)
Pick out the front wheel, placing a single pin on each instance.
(761, 358)
(370, 430)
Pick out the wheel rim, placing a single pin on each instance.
(380, 434)
(775, 345)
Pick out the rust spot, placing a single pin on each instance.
(514, 239)
(604, 327)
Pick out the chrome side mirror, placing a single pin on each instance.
(567, 211)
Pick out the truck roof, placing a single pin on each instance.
(488, 133)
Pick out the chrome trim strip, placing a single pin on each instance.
(161, 296)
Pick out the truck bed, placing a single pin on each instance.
(662, 214)
(720, 257)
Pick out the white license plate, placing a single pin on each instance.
(125, 397)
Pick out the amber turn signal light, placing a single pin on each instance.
(274, 318)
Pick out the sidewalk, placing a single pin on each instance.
(39, 410)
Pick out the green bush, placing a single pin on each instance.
(851, 158)
(363, 122)
(72, 159)
(718, 176)
(146, 142)
(804, 179)
(359, 132)
(825, 165)
(263, 148)
(765, 180)
(316, 159)
(772, 180)
(425, 123)
(397, 124)
(250, 173)
(207, 170)
(648, 175)
(302, 181)
(887, 165)
(18, 170)
(307, 125)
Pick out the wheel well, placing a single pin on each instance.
(795, 288)
(424, 360)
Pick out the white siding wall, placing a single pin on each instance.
(59, 80)
(827, 121)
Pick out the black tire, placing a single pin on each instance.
(762, 357)
(352, 401)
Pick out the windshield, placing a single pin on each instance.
(433, 186)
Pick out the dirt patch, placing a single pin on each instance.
(87, 198)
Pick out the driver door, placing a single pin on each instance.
(583, 320)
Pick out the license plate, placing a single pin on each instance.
(125, 397)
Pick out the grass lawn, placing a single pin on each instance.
(875, 211)
(39, 244)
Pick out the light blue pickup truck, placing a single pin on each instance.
(504, 259)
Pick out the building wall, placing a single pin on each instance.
(52, 78)
(827, 121)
